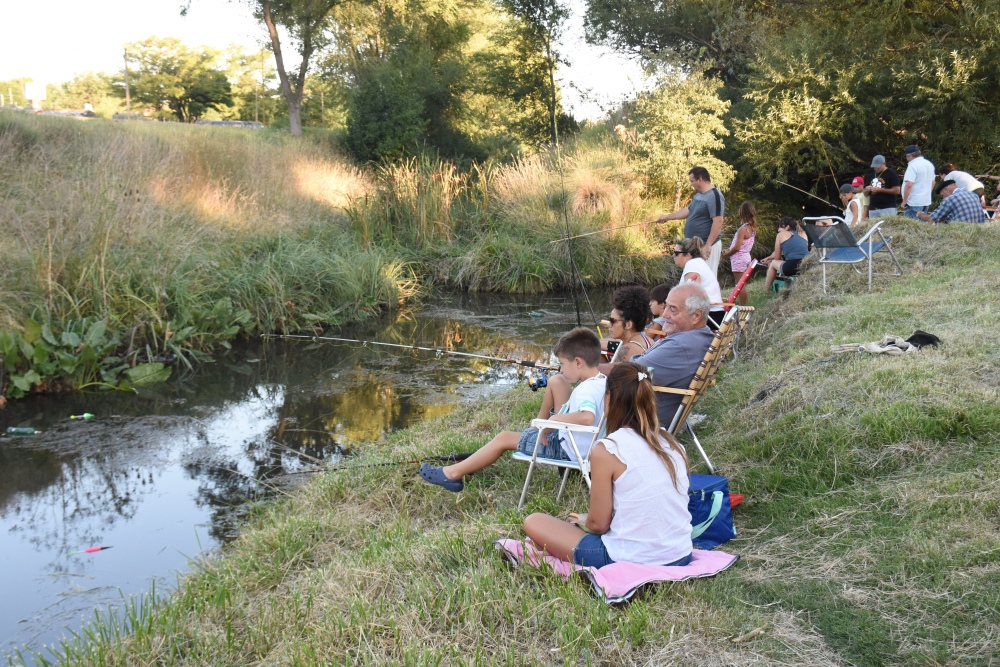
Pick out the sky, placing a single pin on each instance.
(51, 41)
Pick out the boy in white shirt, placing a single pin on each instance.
(579, 353)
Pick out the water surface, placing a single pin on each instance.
(156, 475)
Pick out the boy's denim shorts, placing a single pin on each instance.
(550, 448)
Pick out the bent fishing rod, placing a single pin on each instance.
(520, 362)
(602, 231)
(807, 193)
(650, 222)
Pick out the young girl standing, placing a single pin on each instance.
(742, 243)
(639, 488)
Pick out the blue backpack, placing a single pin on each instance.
(711, 515)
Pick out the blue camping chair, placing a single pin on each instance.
(837, 245)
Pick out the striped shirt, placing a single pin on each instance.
(960, 206)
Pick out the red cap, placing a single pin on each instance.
(857, 182)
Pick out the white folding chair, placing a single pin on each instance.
(582, 463)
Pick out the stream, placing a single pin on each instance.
(161, 476)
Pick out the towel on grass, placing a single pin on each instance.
(619, 581)
(891, 344)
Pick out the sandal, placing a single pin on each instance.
(435, 475)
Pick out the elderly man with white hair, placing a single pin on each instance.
(675, 358)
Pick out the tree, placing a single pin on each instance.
(165, 73)
(307, 21)
(720, 35)
(541, 26)
(91, 88)
(514, 80)
(825, 94)
(678, 125)
(253, 80)
(407, 69)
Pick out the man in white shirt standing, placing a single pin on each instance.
(918, 183)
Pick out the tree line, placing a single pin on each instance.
(802, 91)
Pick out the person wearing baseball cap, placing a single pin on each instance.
(957, 205)
(918, 183)
(882, 187)
(858, 185)
(852, 207)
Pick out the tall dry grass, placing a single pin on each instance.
(492, 229)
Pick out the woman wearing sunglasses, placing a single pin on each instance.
(630, 314)
(687, 255)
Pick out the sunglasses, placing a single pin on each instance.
(615, 319)
(679, 252)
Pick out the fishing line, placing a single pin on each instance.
(602, 231)
(520, 362)
(807, 193)
(444, 458)
(569, 246)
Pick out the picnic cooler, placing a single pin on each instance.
(711, 514)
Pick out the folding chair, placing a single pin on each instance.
(723, 343)
(582, 463)
(837, 245)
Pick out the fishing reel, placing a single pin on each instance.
(537, 381)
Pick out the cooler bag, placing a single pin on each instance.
(711, 515)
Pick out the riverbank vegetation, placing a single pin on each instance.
(173, 240)
(868, 536)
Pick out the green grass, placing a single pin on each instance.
(869, 535)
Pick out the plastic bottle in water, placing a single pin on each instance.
(21, 430)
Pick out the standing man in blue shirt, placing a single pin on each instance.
(703, 214)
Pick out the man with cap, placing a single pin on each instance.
(958, 205)
(918, 183)
(882, 188)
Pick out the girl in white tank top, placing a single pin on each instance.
(639, 488)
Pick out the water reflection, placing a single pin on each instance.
(155, 476)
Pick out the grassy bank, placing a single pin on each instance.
(869, 537)
(130, 243)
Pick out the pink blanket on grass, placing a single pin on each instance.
(619, 581)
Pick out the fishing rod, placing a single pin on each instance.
(602, 231)
(444, 458)
(520, 362)
(808, 193)
(569, 246)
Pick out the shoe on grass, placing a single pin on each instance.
(435, 475)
